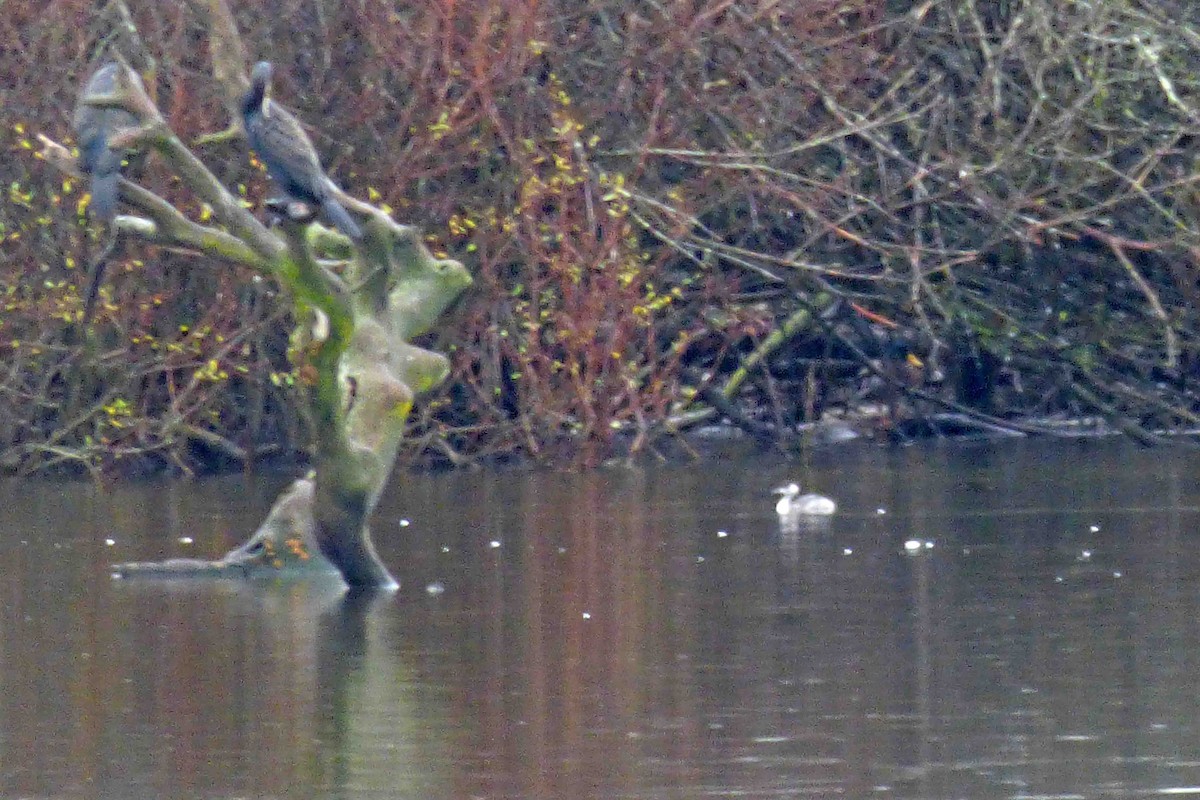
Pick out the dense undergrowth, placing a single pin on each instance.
(676, 212)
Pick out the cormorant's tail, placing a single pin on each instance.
(93, 289)
(340, 217)
(96, 277)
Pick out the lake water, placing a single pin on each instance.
(628, 633)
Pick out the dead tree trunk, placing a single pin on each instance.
(358, 370)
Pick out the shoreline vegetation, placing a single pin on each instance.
(790, 222)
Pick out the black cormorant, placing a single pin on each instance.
(93, 127)
(292, 162)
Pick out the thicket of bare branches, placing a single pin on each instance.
(674, 211)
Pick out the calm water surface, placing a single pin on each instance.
(631, 633)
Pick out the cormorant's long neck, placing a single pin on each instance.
(252, 103)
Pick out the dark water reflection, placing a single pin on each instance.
(628, 634)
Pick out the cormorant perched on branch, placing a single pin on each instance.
(94, 126)
(292, 162)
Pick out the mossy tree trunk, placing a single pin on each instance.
(357, 306)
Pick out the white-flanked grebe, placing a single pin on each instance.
(792, 503)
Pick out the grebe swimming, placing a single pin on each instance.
(792, 503)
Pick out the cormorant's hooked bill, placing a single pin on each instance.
(291, 160)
